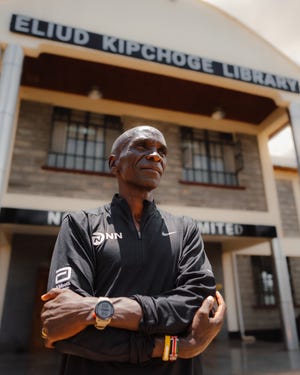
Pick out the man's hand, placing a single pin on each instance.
(204, 327)
(65, 314)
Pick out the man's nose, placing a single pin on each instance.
(154, 155)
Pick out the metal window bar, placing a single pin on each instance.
(214, 151)
(238, 156)
(215, 175)
(208, 155)
(106, 124)
(75, 126)
(264, 280)
(85, 139)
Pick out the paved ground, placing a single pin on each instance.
(233, 357)
(223, 357)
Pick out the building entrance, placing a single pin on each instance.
(27, 279)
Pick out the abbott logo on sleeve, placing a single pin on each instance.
(62, 275)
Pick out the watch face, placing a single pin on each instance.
(104, 309)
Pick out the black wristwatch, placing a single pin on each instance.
(104, 310)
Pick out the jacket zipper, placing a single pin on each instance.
(140, 248)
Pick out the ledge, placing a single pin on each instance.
(77, 171)
(234, 187)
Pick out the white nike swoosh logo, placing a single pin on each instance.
(167, 233)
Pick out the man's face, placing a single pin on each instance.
(142, 160)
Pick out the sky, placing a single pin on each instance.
(276, 21)
(282, 149)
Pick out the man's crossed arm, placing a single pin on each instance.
(66, 313)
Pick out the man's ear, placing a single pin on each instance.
(112, 163)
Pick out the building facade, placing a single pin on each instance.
(72, 80)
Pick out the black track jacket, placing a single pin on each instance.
(164, 267)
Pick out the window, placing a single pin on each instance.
(210, 157)
(264, 283)
(82, 140)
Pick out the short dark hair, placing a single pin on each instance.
(125, 137)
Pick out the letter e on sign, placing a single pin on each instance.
(22, 24)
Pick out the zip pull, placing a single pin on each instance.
(139, 235)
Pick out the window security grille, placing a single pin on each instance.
(82, 140)
(264, 282)
(210, 157)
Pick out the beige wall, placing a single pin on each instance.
(30, 155)
(288, 210)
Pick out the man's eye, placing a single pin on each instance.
(140, 147)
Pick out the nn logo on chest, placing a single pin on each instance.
(98, 237)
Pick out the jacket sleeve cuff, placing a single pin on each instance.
(109, 345)
(149, 322)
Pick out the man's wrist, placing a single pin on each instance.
(91, 303)
(158, 348)
(128, 314)
(184, 348)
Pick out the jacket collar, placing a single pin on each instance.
(120, 203)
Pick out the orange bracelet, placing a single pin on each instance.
(166, 352)
(174, 348)
(170, 348)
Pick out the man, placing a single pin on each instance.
(127, 279)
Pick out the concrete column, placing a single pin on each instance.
(238, 295)
(5, 252)
(9, 89)
(294, 112)
(232, 317)
(285, 296)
